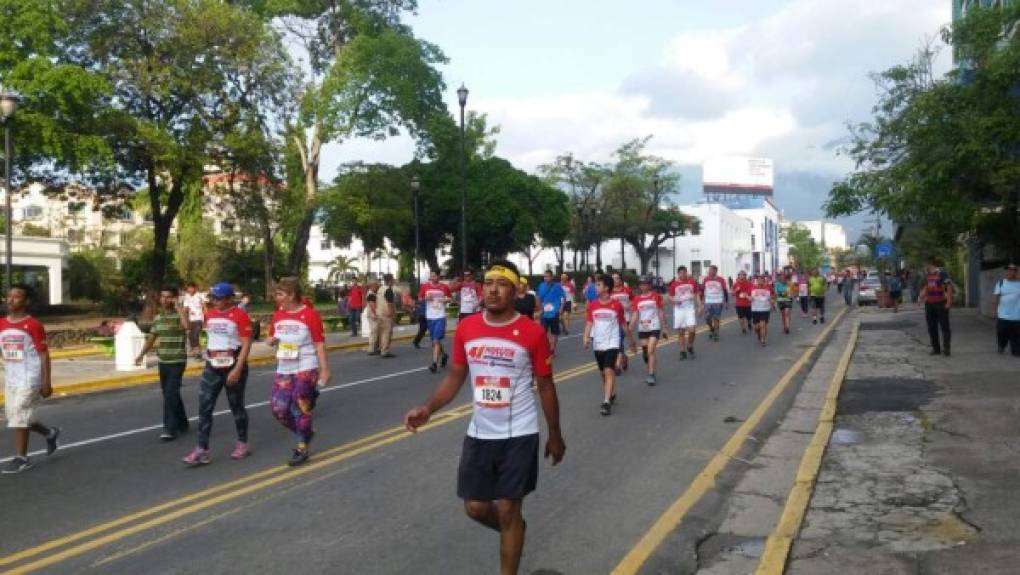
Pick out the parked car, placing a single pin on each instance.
(868, 290)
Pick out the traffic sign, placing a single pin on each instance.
(884, 250)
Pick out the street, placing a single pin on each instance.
(373, 498)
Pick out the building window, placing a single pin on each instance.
(75, 236)
(32, 213)
(326, 245)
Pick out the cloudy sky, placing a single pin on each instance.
(776, 78)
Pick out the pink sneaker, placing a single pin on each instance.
(198, 456)
(240, 450)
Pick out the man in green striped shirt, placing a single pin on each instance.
(168, 335)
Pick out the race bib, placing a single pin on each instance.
(803, 290)
(221, 359)
(287, 351)
(14, 351)
(492, 391)
(548, 307)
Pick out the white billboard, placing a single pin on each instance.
(737, 175)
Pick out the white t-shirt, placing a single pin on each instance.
(434, 296)
(194, 303)
(715, 290)
(297, 332)
(503, 361)
(469, 298)
(648, 307)
(606, 319)
(22, 341)
(761, 298)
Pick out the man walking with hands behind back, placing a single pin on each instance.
(504, 354)
(1006, 299)
(167, 335)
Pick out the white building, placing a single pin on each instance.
(831, 235)
(724, 240)
(323, 254)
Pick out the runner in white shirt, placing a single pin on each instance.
(297, 333)
(435, 295)
(507, 357)
(568, 304)
(26, 376)
(713, 290)
(604, 321)
(685, 293)
(650, 322)
(763, 298)
(194, 303)
(622, 294)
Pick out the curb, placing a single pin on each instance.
(780, 541)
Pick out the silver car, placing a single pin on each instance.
(867, 291)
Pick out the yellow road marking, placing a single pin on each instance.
(705, 480)
(780, 541)
(172, 510)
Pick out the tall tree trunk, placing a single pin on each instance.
(268, 254)
(162, 219)
(309, 152)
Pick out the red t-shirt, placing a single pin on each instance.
(742, 292)
(503, 361)
(683, 292)
(623, 295)
(434, 296)
(23, 341)
(356, 298)
(647, 307)
(714, 289)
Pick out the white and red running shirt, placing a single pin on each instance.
(682, 292)
(802, 287)
(606, 319)
(503, 361)
(714, 289)
(298, 332)
(623, 296)
(470, 297)
(742, 293)
(224, 330)
(568, 290)
(22, 341)
(647, 307)
(434, 294)
(761, 298)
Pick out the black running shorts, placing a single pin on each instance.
(656, 333)
(606, 359)
(744, 312)
(493, 469)
(757, 316)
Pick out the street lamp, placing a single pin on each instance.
(655, 188)
(462, 94)
(8, 105)
(415, 186)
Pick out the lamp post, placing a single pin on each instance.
(655, 188)
(675, 225)
(8, 105)
(462, 95)
(415, 186)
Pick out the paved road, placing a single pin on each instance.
(374, 499)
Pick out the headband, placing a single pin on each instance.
(503, 272)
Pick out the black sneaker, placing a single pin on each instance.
(650, 380)
(444, 359)
(297, 457)
(683, 355)
(605, 409)
(822, 319)
(814, 321)
(935, 352)
(945, 352)
(388, 355)
(612, 398)
(51, 440)
(17, 465)
(690, 351)
(433, 367)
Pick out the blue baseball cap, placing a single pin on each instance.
(222, 290)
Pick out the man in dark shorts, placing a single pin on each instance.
(505, 354)
(605, 321)
(742, 301)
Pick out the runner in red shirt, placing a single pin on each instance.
(469, 294)
(26, 376)
(507, 357)
(355, 305)
(687, 304)
(650, 321)
(622, 294)
(605, 320)
(742, 300)
(714, 294)
(763, 298)
(228, 334)
(568, 304)
(435, 296)
(297, 333)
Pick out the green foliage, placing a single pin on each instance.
(806, 254)
(33, 230)
(89, 274)
(199, 253)
(943, 152)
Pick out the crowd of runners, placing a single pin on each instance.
(504, 344)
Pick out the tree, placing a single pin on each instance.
(340, 268)
(806, 254)
(638, 208)
(180, 71)
(583, 184)
(943, 152)
(369, 77)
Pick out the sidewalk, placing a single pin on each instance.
(97, 372)
(920, 475)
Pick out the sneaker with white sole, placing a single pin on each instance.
(17, 465)
(198, 456)
(240, 451)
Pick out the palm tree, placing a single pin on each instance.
(340, 267)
